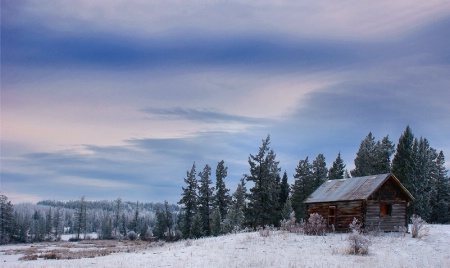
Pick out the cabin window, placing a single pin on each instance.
(385, 209)
(332, 215)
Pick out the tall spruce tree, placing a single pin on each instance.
(189, 202)
(263, 197)
(440, 193)
(222, 197)
(236, 211)
(284, 189)
(6, 219)
(304, 185)
(337, 169)
(365, 157)
(402, 163)
(319, 170)
(383, 153)
(205, 199)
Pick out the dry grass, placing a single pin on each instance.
(78, 250)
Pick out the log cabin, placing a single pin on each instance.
(379, 202)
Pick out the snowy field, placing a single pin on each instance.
(279, 249)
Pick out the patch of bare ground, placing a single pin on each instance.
(77, 250)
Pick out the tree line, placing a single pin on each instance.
(210, 209)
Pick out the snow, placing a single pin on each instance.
(279, 249)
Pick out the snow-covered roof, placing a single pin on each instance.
(359, 188)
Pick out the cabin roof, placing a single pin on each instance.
(359, 188)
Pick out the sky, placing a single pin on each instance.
(108, 99)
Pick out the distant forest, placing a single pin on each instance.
(208, 209)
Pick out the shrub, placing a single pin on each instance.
(358, 244)
(417, 226)
(355, 226)
(132, 235)
(290, 224)
(315, 225)
(29, 258)
(264, 232)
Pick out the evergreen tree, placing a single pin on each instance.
(263, 197)
(402, 164)
(236, 211)
(117, 211)
(134, 225)
(80, 218)
(216, 222)
(337, 170)
(440, 194)
(304, 185)
(189, 202)
(222, 197)
(287, 210)
(196, 228)
(205, 200)
(365, 157)
(319, 170)
(57, 223)
(168, 218)
(284, 189)
(383, 153)
(6, 220)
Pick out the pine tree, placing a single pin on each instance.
(287, 210)
(440, 194)
(216, 222)
(205, 200)
(337, 170)
(365, 157)
(189, 202)
(6, 219)
(196, 228)
(284, 189)
(304, 185)
(402, 163)
(236, 211)
(383, 153)
(117, 211)
(319, 170)
(134, 226)
(263, 197)
(222, 197)
(80, 218)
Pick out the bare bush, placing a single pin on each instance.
(417, 226)
(290, 225)
(32, 257)
(315, 225)
(355, 226)
(358, 244)
(264, 232)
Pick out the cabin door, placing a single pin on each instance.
(332, 215)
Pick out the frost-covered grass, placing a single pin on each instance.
(279, 249)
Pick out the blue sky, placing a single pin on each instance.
(109, 99)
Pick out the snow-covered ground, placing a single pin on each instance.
(280, 249)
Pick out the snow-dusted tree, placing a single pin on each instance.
(216, 222)
(205, 199)
(106, 229)
(196, 228)
(80, 218)
(365, 157)
(440, 194)
(189, 202)
(287, 210)
(117, 212)
(382, 157)
(263, 197)
(164, 221)
(236, 216)
(319, 171)
(284, 189)
(134, 225)
(58, 223)
(6, 219)
(303, 186)
(337, 169)
(402, 163)
(222, 197)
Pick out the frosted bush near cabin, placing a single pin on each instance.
(315, 225)
(417, 226)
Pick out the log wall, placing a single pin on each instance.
(345, 212)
